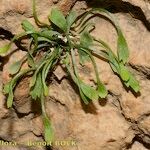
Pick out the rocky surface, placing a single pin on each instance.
(144, 6)
(138, 146)
(120, 122)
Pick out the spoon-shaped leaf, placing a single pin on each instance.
(48, 130)
(15, 67)
(83, 97)
(102, 91)
(37, 89)
(5, 48)
(88, 91)
(27, 26)
(58, 19)
(134, 84)
(30, 60)
(6, 88)
(123, 51)
(71, 18)
(124, 73)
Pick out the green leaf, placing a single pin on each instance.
(46, 89)
(127, 84)
(134, 84)
(15, 67)
(83, 97)
(66, 60)
(34, 77)
(109, 55)
(48, 130)
(44, 75)
(77, 82)
(49, 34)
(88, 91)
(83, 56)
(6, 88)
(113, 62)
(58, 19)
(124, 73)
(43, 39)
(5, 48)
(114, 68)
(10, 98)
(123, 51)
(27, 26)
(71, 18)
(102, 53)
(30, 60)
(37, 90)
(46, 68)
(112, 58)
(86, 39)
(102, 92)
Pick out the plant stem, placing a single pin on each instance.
(43, 106)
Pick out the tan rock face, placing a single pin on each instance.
(144, 5)
(92, 127)
(109, 124)
(13, 12)
(138, 146)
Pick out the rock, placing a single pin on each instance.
(13, 127)
(59, 73)
(55, 1)
(13, 14)
(37, 124)
(4, 112)
(27, 140)
(19, 10)
(144, 125)
(137, 146)
(65, 5)
(13, 148)
(134, 108)
(101, 130)
(16, 56)
(20, 131)
(144, 5)
(22, 101)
